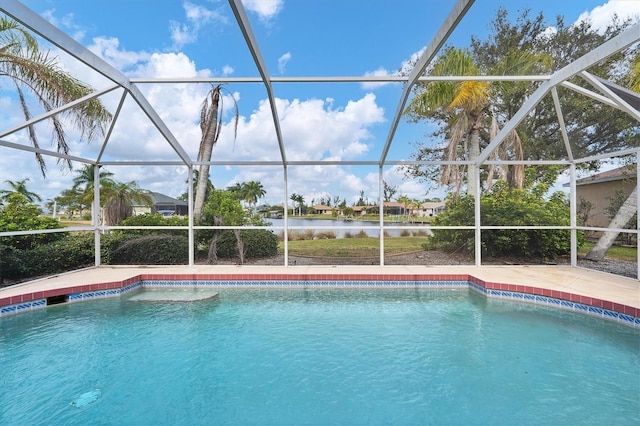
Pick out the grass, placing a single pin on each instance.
(353, 247)
(370, 247)
(615, 252)
(75, 222)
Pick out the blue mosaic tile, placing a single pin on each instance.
(7, 309)
(581, 307)
(595, 310)
(522, 297)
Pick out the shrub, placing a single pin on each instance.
(154, 220)
(362, 234)
(509, 207)
(21, 215)
(326, 235)
(152, 250)
(257, 243)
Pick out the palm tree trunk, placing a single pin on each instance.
(620, 220)
(210, 131)
(474, 152)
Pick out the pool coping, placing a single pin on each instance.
(622, 306)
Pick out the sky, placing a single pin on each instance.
(319, 121)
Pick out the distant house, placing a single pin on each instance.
(322, 209)
(426, 209)
(163, 204)
(430, 208)
(599, 189)
(394, 208)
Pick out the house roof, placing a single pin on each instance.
(322, 207)
(158, 198)
(625, 172)
(432, 204)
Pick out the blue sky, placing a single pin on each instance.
(320, 121)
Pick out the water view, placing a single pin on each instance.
(353, 227)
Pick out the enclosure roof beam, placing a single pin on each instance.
(45, 151)
(605, 87)
(449, 24)
(41, 26)
(608, 48)
(252, 44)
(58, 110)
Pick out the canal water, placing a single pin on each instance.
(352, 227)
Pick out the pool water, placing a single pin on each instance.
(319, 357)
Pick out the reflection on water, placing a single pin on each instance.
(372, 229)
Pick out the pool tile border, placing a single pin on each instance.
(604, 309)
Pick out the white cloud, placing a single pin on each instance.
(67, 22)
(108, 48)
(282, 62)
(227, 70)
(197, 17)
(405, 68)
(601, 16)
(181, 34)
(265, 9)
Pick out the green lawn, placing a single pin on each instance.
(615, 252)
(370, 247)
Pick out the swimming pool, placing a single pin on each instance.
(318, 356)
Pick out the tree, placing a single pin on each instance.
(22, 215)
(299, 199)
(32, 70)
(223, 209)
(406, 202)
(83, 184)
(19, 187)
(185, 195)
(634, 75)
(588, 133)
(252, 191)
(210, 125)
(388, 191)
(461, 106)
(619, 221)
(465, 108)
(119, 205)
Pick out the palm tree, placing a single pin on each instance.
(19, 187)
(634, 75)
(83, 183)
(406, 202)
(465, 105)
(119, 205)
(210, 125)
(297, 198)
(628, 209)
(237, 190)
(22, 62)
(463, 102)
(252, 191)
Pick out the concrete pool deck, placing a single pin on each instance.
(565, 283)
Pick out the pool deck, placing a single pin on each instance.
(563, 282)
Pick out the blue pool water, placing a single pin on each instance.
(318, 357)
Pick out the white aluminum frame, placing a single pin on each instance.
(129, 88)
